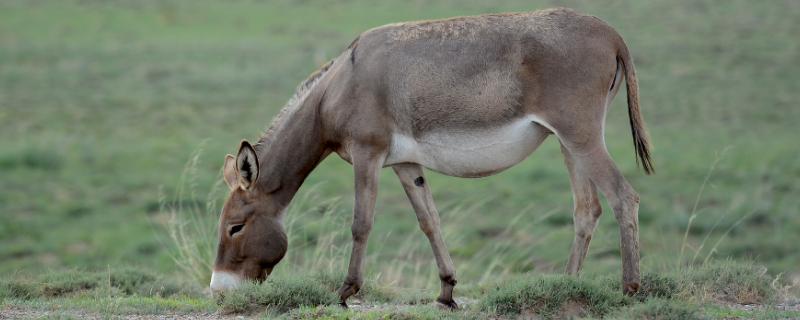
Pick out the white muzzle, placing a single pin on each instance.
(222, 280)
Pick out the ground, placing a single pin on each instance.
(115, 118)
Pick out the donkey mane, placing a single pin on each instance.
(300, 93)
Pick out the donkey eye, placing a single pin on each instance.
(235, 229)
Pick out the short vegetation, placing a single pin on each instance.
(669, 295)
(659, 309)
(279, 295)
(120, 282)
(551, 296)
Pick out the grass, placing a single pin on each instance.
(655, 285)
(386, 312)
(118, 282)
(552, 296)
(279, 295)
(658, 309)
(677, 295)
(75, 307)
(191, 225)
(717, 312)
(120, 291)
(737, 282)
(102, 103)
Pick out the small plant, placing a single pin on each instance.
(553, 296)
(656, 285)
(67, 282)
(738, 282)
(131, 281)
(659, 309)
(653, 285)
(278, 294)
(191, 226)
(18, 290)
(121, 282)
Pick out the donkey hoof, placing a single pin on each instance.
(343, 304)
(449, 304)
(630, 288)
(348, 290)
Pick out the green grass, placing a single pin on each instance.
(118, 282)
(657, 309)
(111, 292)
(655, 285)
(386, 312)
(102, 104)
(676, 295)
(717, 312)
(116, 306)
(552, 296)
(279, 295)
(691, 293)
(737, 282)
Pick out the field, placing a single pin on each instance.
(115, 117)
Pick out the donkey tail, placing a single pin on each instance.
(641, 140)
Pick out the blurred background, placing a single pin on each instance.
(115, 117)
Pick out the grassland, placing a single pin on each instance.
(115, 118)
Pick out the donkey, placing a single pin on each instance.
(466, 97)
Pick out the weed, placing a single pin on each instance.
(18, 290)
(62, 283)
(192, 226)
(738, 282)
(135, 281)
(553, 296)
(659, 309)
(657, 286)
(277, 294)
(118, 282)
(653, 285)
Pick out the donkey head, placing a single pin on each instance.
(251, 236)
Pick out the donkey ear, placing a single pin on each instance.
(229, 172)
(246, 165)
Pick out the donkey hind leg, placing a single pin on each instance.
(419, 194)
(593, 159)
(367, 165)
(586, 212)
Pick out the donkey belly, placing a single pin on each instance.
(469, 153)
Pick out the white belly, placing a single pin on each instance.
(469, 153)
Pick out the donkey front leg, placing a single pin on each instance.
(413, 180)
(367, 166)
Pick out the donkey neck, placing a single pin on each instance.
(291, 149)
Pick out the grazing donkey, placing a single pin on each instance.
(466, 97)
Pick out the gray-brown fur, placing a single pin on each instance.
(405, 87)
